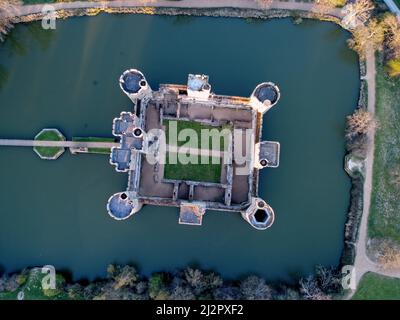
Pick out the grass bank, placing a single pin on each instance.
(384, 218)
(31, 288)
(377, 287)
(95, 139)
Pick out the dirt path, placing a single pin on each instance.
(243, 4)
(362, 263)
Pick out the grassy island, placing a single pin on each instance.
(49, 153)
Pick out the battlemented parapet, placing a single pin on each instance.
(143, 152)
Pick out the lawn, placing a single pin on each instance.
(197, 127)
(376, 287)
(193, 172)
(384, 218)
(49, 152)
(32, 288)
(95, 139)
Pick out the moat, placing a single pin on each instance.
(70, 81)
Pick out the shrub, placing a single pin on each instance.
(394, 68)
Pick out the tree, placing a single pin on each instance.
(8, 10)
(360, 123)
(357, 145)
(310, 289)
(74, 291)
(329, 279)
(255, 288)
(392, 26)
(182, 292)
(287, 293)
(141, 287)
(357, 13)
(202, 283)
(125, 277)
(227, 293)
(367, 36)
(394, 68)
(158, 287)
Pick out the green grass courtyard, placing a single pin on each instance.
(210, 172)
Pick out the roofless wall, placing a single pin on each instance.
(145, 155)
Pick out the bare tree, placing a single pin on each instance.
(227, 293)
(8, 10)
(329, 279)
(362, 9)
(180, 292)
(202, 282)
(371, 36)
(358, 13)
(255, 288)
(124, 276)
(360, 122)
(310, 289)
(392, 26)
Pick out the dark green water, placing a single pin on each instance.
(53, 212)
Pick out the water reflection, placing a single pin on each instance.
(18, 43)
(182, 20)
(4, 75)
(41, 36)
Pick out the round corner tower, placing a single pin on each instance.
(121, 206)
(134, 84)
(265, 96)
(259, 214)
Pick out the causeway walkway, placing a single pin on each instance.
(60, 144)
(101, 145)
